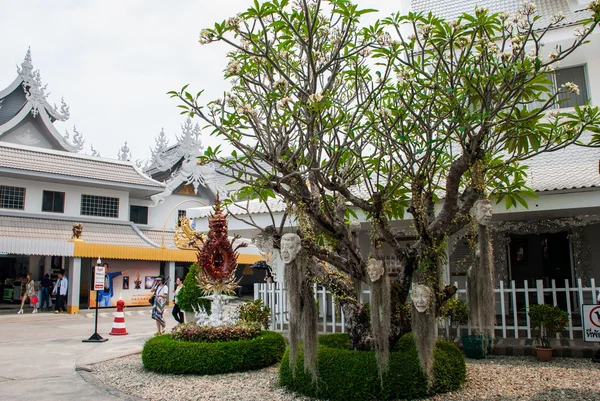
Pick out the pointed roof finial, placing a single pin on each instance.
(26, 70)
(124, 153)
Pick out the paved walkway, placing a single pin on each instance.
(39, 354)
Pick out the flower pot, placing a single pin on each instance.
(189, 317)
(477, 347)
(543, 354)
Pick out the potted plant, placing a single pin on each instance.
(547, 321)
(190, 296)
(457, 312)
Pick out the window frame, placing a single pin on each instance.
(139, 206)
(556, 105)
(53, 201)
(24, 196)
(118, 208)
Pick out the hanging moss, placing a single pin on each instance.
(480, 286)
(381, 314)
(424, 326)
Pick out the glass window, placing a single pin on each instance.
(562, 76)
(138, 214)
(102, 206)
(180, 214)
(12, 197)
(53, 202)
(577, 76)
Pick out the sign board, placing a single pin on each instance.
(591, 322)
(98, 278)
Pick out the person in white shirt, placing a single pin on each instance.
(161, 292)
(60, 290)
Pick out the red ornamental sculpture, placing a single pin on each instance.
(217, 257)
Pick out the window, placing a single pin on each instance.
(12, 197)
(575, 75)
(101, 206)
(138, 214)
(180, 214)
(53, 202)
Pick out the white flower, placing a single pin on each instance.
(481, 10)
(385, 112)
(315, 98)
(233, 67)
(556, 18)
(552, 114)
(246, 109)
(205, 37)
(571, 87)
(284, 101)
(234, 22)
(366, 52)
(503, 16)
(280, 84)
(401, 77)
(580, 32)
(528, 8)
(553, 56)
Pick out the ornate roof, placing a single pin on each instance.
(177, 164)
(25, 158)
(26, 98)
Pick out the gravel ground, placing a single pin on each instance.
(495, 378)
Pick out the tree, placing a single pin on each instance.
(336, 119)
(190, 295)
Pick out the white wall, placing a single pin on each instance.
(157, 215)
(34, 191)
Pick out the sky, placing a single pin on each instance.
(113, 61)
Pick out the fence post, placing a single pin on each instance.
(526, 287)
(502, 309)
(514, 304)
(593, 287)
(580, 292)
(539, 286)
(256, 285)
(568, 292)
(274, 307)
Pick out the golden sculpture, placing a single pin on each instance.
(77, 232)
(186, 238)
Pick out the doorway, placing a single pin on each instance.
(543, 257)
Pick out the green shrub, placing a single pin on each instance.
(163, 354)
(209, 334)
(255, 312)
(345, 374)
(191, 294)
(547, 321)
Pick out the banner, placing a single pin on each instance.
(591, 322)
(131, 280)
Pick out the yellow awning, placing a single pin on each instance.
(85, 250)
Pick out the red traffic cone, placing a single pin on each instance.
(118, 327)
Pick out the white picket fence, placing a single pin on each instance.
(511, 304)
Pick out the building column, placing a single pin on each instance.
(170, 272)
(74, 277)
(47, 264)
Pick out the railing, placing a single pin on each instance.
(512, 302)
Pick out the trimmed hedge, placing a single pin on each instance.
(345, 374)
(163, 354)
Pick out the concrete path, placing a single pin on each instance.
(39, 354)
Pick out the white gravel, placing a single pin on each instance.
(495, 378)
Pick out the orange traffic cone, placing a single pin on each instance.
(118, 327)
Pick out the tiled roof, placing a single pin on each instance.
(157, 235)
(26, 158)
(545, 8)
(32, 228)
(570, 168)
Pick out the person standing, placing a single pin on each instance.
(29, 293)
(105, 295)
(177, 313)
(161, 292)
(60, 290)
(46, 289)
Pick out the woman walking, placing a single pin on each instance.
(161, 292)
(177, 313)
(29, 293)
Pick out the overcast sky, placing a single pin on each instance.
(114, 61)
